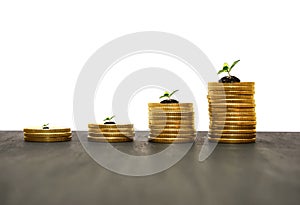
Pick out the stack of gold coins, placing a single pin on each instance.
(53, 134)
(171, 122)
(111, 132)
(232, 112)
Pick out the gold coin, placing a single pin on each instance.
(171, 114)
(109, 134)
(231, 105)
(47, 139)
(119, 126)
(190, 135)
(223, 101)
(231, 141)
(235, 123)
(171, 122)
(172, 131)
(231, 109)
(109, 139)
(221, 97)
(234, 118)
(172, 118)
(231, 92)
(166, 110)
(171, 140)
(48, 135)
(233, 136)
(231, 84)
(232, 88)
(113, 130)
(233, 127)
(41, 130)
(160, 127)
(240, 131)
(236, 114)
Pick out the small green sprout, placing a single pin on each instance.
(227, 69)
(45, 126)
(168, 95)
(108, 119)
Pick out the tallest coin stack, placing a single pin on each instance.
(232, 112)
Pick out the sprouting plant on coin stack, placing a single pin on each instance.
(108, 120)
(168, 96)
(45, 126)
(226, 69)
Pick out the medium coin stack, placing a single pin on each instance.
(53, 134)
(171, 122)
(232, 112)
(110, 132)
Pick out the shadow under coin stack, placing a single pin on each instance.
(53, 134)
(171, 122)
(232, 112)
(111, 132)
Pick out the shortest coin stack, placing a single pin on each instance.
(232, 112)
(111, 132)
(53, 134)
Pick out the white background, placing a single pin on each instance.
(44, 45)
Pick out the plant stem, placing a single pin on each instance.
(229, 75)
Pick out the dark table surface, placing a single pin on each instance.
(266, 172)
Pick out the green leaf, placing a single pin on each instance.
(111, 117)
(234, 63)
(221, 71)
(173, 92)
(165, 95)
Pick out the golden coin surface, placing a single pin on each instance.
(171, 140)
(110, 125)
(233, 127)
(233, 118)
(230, 109)
(113, 130)
(235, 114)
(41, 130)
(109, 139)
(172, 131)
(252, 101)
(168, 118)
(233, 136)
(232, 141)
(191, 135)
(235, 123)
(160, 127)
(171, 114)
(171, 122)
(47, 139)
(109, 134)
(48, 135)
(231, 88)
(230, 92)
(216, 131)
(233, 97)
(232, 105)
